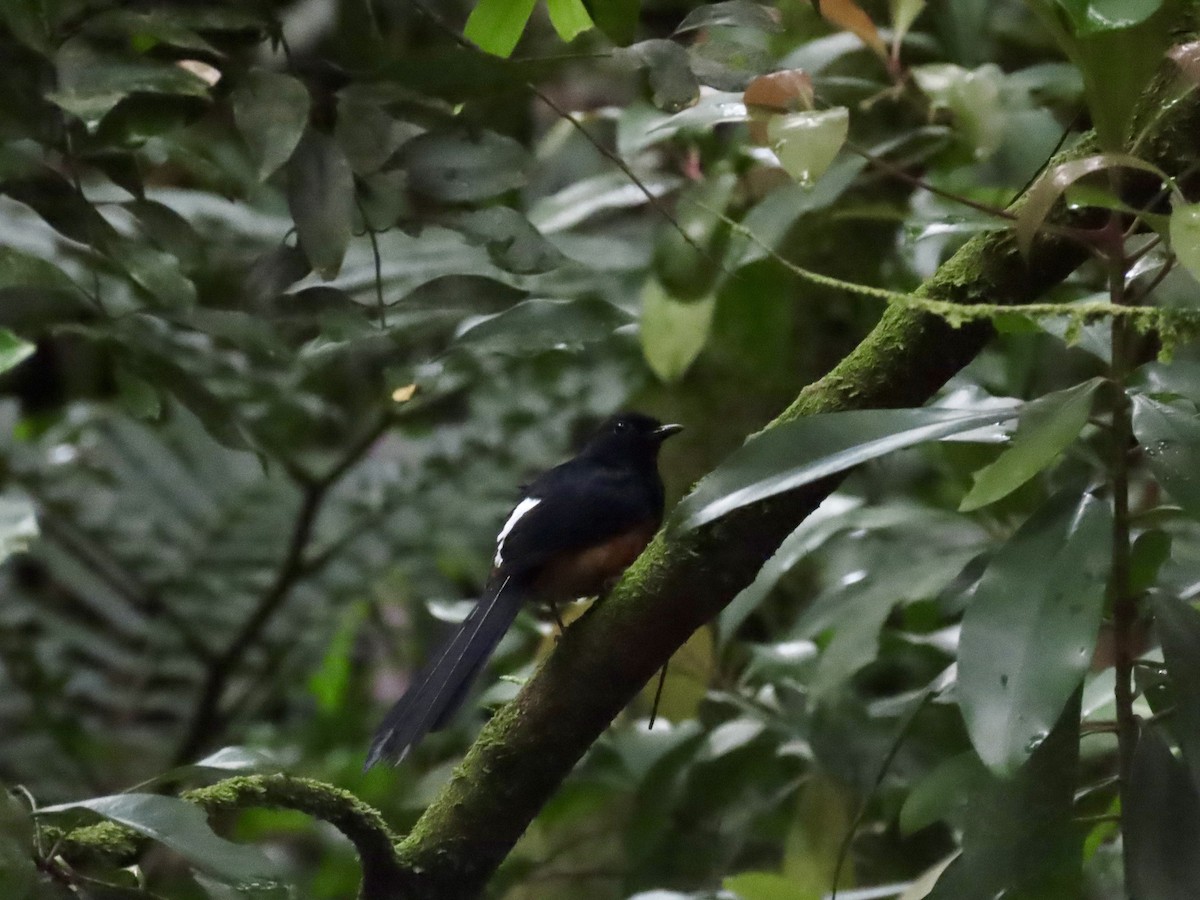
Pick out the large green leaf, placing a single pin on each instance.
(569, 17)
(91, 83)
(184, 828)
(321, 198)
(497, 25)
(1046, 427)
(1161, 822)
(1091, 16)
(1170, 436)
(587, 197)
(1020, 839)
(540, 324)
(1178, 626)
(809, 449)
(673, 331)
(1029, 631)
(271, 112)
(459, 168)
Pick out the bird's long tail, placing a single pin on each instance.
(441, 686)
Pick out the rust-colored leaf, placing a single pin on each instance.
(849, 15)
(788, 91)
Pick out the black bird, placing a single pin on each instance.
(576, 528)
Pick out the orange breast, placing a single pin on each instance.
(592, 571)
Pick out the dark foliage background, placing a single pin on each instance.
(294, 294)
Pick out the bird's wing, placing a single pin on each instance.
(571, 509)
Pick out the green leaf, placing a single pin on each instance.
(673, 85)
(1178, 628)
(1150, 550)
(18, 524)
(33, 22)
(154, 271)
(1051, 184)
(1020, 838)
(1047, 426)
(330, 681)
(941, 796)
(144, 31)
(673, 332)
(797, 453)
(512, 242)
(806, 143)
(35, 293)
(772, 219)
(731, 14)
(321, 199)
(618, 19)
(1185, 235)
(824, 812)
(1170, 436)
(497, 25)
(13, 350)
(368, 134)
(1092, 16)
(459, 168)
(238, 759)
(1030, 629)
(904, 13)
(184, 828)
(1118, 46)
(587, 197)
(540, 324)
(17, 870)
(974, 97)
(569, 17)
(766, 886)
(271, 113)
(91, 83)
(1161, 821)
(711, 110)
(138, 397)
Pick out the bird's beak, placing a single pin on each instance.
(663, 432)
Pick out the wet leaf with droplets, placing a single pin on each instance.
(1028, 634)
(1170, 437)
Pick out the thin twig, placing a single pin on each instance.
(893, 752)
(372, 234)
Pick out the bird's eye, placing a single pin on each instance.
(621, 426)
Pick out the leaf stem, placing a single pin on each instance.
(1124, 602)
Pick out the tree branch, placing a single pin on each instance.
(683, 581)
(115, 844)
(206, 719)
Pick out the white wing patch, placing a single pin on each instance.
(522, 508)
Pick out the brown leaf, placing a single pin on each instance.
(788, 91)
(849, 15)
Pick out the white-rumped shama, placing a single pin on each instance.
(576, 528)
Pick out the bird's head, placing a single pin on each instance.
(629, 436)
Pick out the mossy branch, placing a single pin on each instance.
(383, 877)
